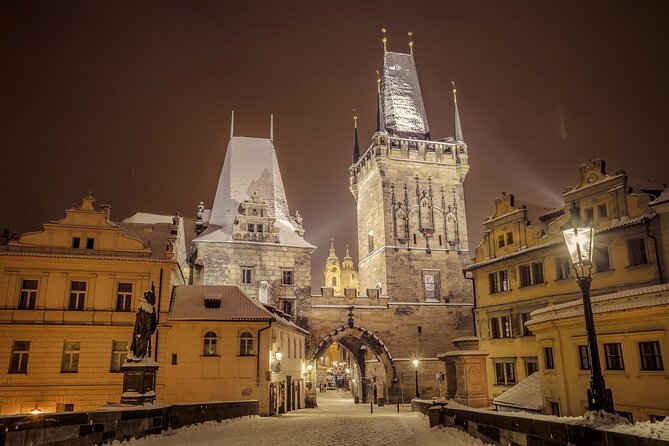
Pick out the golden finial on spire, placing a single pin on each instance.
(410, 34)
(355, 118)
(384, 40)
(378, 82)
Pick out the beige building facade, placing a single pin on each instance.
(68, 295)
(522, 267)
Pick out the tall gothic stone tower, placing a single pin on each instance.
(412, 231)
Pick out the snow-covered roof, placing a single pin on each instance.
(155, 228)
(250, 166)
(188, 304)
(403, 109)
(525, 395)
(663, 198)
(641, 297)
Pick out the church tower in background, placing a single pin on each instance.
(408, 186)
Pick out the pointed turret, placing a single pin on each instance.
(356, 146)
(458, 125)
(347, 261)
(380, 127)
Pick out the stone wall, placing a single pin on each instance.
(89, 428)
(509, 429)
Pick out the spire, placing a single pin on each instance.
(384, 40)
(271, 127)
(232, 125)
(356, 147)
(348, 255)
(410, 34)
(332, 259)
(458, 125)
(380, 127)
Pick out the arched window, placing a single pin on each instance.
(210, 342)
(246, 344)
(334, 281)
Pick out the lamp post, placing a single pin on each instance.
(416, 362)
(309, 369)
(580, 242)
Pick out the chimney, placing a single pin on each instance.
(263, 295)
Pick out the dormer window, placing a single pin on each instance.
(75, 242)
(212, 303)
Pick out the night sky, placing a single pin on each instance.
(131, 100)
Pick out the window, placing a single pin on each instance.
(614, 356)
(531, 274)
(414, 239)
(18, 362)
(500, 241)
(636, 250)
(370, 241)
(174, 359)
(260, 228)
(287, 277)
(431, 285)
(555, 408)
(246, 344)
(90, 243)
(247, 275)
(656, 418)
(500, 327)
(77, 295)
(124, 297)
(70, 362)
(499, 281)
(601, 211)
(76, 241)
(583, 357)
(509, 238)
(651, 357)
(440, 241)
(209, 345)
(548, 358)
(505, 372)
(531, 365)
(288, 307)
(28, 296)
(334, 281)
(563, 267)
(602, 259)
(251, 227)
(119, 354)
(524, 317)
(65, 407)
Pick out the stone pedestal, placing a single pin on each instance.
(139, 381)
(310, 396)
(466, 373)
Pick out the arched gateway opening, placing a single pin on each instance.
(367, 381)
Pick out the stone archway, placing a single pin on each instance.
(353, 337)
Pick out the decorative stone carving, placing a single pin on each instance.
(253, 223)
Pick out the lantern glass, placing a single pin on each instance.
(580, 243)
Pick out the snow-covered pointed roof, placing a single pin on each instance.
(250, 166)
(403, 109)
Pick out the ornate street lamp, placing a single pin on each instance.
(416, 362)
(309, 369)
(580, 240)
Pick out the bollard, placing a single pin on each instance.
(398, 407)
(371, 407)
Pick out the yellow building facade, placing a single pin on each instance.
(222, 345)
(522, 267)
(68, 296)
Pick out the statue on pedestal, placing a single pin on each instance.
(145, 326)
(139, 370)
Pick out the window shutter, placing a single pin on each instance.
(516, 325)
